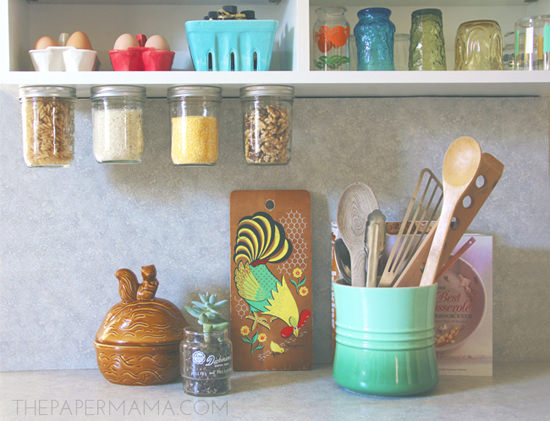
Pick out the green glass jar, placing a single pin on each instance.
(427, 47)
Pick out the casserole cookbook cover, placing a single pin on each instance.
(464, 308)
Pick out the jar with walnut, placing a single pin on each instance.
(48, 125)
(267, 123)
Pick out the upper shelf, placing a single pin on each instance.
(22, 22)
(312, 84)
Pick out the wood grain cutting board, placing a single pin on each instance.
(271, 285)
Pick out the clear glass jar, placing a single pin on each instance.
(48, 125)
(117, 113)
(478, 46)
(206, 362)
(427, 48)
(508, 51)
(374, 39)
(525, 44)
(331, 31)
(267, 123)
(542, 34)
(194, 124)
(401, 44)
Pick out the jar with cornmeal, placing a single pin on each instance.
(194, 124)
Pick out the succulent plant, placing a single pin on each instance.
(207, 312)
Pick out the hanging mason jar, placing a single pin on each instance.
(374, 39)
(48, 125)
(331, 39)
(427, 48)
(117, 113)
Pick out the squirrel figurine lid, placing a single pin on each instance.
(140, 318)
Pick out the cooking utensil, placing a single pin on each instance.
(355, 204)
(375, 237)
(421, 207)
(488, 174)
(343, 260)
(456, 256)
(460, 167)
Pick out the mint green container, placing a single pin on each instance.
(385, 340)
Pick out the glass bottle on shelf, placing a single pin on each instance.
(427, 47)
(330, 43)
(478, 45)
(374, 39)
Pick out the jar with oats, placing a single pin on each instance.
(194, 124)
(48, 125)
(267, 123)
(117, 113)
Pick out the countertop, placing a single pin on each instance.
(517, 391)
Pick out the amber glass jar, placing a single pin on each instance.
(478, 46)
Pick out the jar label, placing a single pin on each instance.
(210, 365)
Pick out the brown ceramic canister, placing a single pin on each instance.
(137, 343)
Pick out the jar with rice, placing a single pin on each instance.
(117, 113)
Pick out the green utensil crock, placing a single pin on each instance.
(385, 340)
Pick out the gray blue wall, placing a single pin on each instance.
(64, 232)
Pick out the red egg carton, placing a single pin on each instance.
(141, 58)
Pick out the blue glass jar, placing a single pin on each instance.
(374, 39)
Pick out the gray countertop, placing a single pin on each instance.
(517, 391)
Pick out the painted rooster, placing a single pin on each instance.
(261, 240)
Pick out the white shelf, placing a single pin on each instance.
(21, 22)
(311, 84)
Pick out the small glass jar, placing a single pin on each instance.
(267, 123)
(401, 44)
(525, 44)
(374, 39)
(117, 113)
(206, 362)
(427, 48)
(48, 125)
(331, 31)
(478, 46)
(542, 34)
(508, 51)
(194, 124)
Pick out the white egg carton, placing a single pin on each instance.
(64, 59)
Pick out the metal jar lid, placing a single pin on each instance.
(281, 91)
(137, 92)
(212, 93)
(47, 91)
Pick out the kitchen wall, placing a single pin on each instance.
(66, 231)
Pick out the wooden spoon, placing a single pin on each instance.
(460, 166)
(354, 207)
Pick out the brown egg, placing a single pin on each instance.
(79, 40)
(125, 41)
(44, 42)
(158, 42)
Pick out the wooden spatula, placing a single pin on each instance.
(488, 174)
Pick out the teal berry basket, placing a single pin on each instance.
(229, 45)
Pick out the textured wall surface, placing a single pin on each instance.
(66, 231)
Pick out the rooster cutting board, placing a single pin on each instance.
(271, 285)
